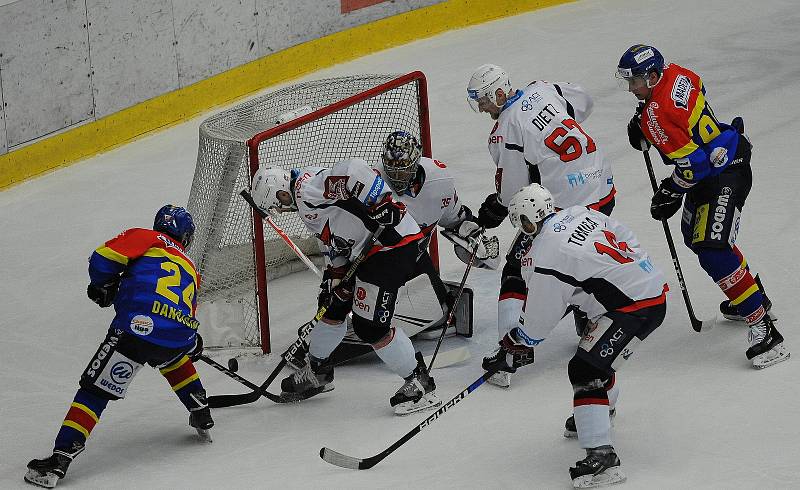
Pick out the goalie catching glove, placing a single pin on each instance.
(465, 237)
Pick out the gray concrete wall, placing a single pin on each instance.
(67, 62)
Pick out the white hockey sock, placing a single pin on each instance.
(509, 311)
(398, 353)
(324, 338)
(613, 394)
(594, 426)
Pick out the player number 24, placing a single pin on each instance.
(174, 280)
(567, 145)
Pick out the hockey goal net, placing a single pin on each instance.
(316, 123)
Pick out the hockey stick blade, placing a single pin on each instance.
(220, 401)
(344, 461)
(448, 358)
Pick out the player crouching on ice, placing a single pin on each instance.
(342, 206)
(152, 284)
(583, 258)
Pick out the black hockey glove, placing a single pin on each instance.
(387, 213)
(197, 349)
(513, 353)
(635, 135)
(103, 295)
(666, 201)
(491, 213)
(332, 286)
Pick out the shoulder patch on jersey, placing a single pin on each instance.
(336, 187)
(681, 89)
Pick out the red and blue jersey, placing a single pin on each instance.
(679, 122)
(157, 293)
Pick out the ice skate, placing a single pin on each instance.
(570, 429)
(417, 393)
(600, 468)
(766, 344)
(312, 379)
(200, 416)
(47, 472)
(731, 312)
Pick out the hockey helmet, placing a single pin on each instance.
(176, 222)
(484, 83)
(639, 61)
(529, 207)
(271, 190)
(401, 153)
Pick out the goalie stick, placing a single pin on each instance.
(697, 324)
(342, 460)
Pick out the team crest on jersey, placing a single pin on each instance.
(337, 246)
(336, 187)
(681, 90)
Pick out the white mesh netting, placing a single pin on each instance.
(223, 246)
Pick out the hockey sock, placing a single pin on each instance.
(184, 380)
(397, 352)
(82, 416)
(324, 338)
(612, 391)
(724, 266)
(509, 310)
(591, 416)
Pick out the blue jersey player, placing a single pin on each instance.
(152, 284)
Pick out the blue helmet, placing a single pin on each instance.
(640, 60)
(175, 222)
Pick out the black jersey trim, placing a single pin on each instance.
(605, 292)
(570, 109)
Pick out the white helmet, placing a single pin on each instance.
(484, 83)
(267, 182)
(529, 206)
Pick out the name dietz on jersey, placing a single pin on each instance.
(578, 237)
(545, 117)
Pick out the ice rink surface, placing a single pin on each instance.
(692, 412)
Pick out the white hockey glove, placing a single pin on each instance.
(488, 253)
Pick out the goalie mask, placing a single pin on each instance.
(401, 153)
(483, 86)
(271, 190)
(529, 207)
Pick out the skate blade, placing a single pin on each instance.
(610, 476)
(500, 379)
(773, 356)
(426, 402)
(48, 480)
(204, 435)
(288, 397)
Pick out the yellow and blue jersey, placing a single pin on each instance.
(156, 300)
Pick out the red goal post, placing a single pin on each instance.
(316, 123)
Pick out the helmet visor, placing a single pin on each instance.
(475, 98)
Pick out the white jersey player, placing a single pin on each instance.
(578, 256)
(342, 206)
(537, 139)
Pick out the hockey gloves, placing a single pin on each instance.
(635, 135)
(666, 201)
(387, 212)
(334, 293)
(103, 295)
(196, 350)
(492, 213)
(513, 353)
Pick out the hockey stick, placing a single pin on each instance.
(697, 324)
(300, 255)
(452, 315)
(227, 372)
(338, 459)
(244, 398)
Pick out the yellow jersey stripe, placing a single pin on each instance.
(752, 289)
(183, 360)
(87, 410)
(112, 255)
(78, 427)
(185, 382)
